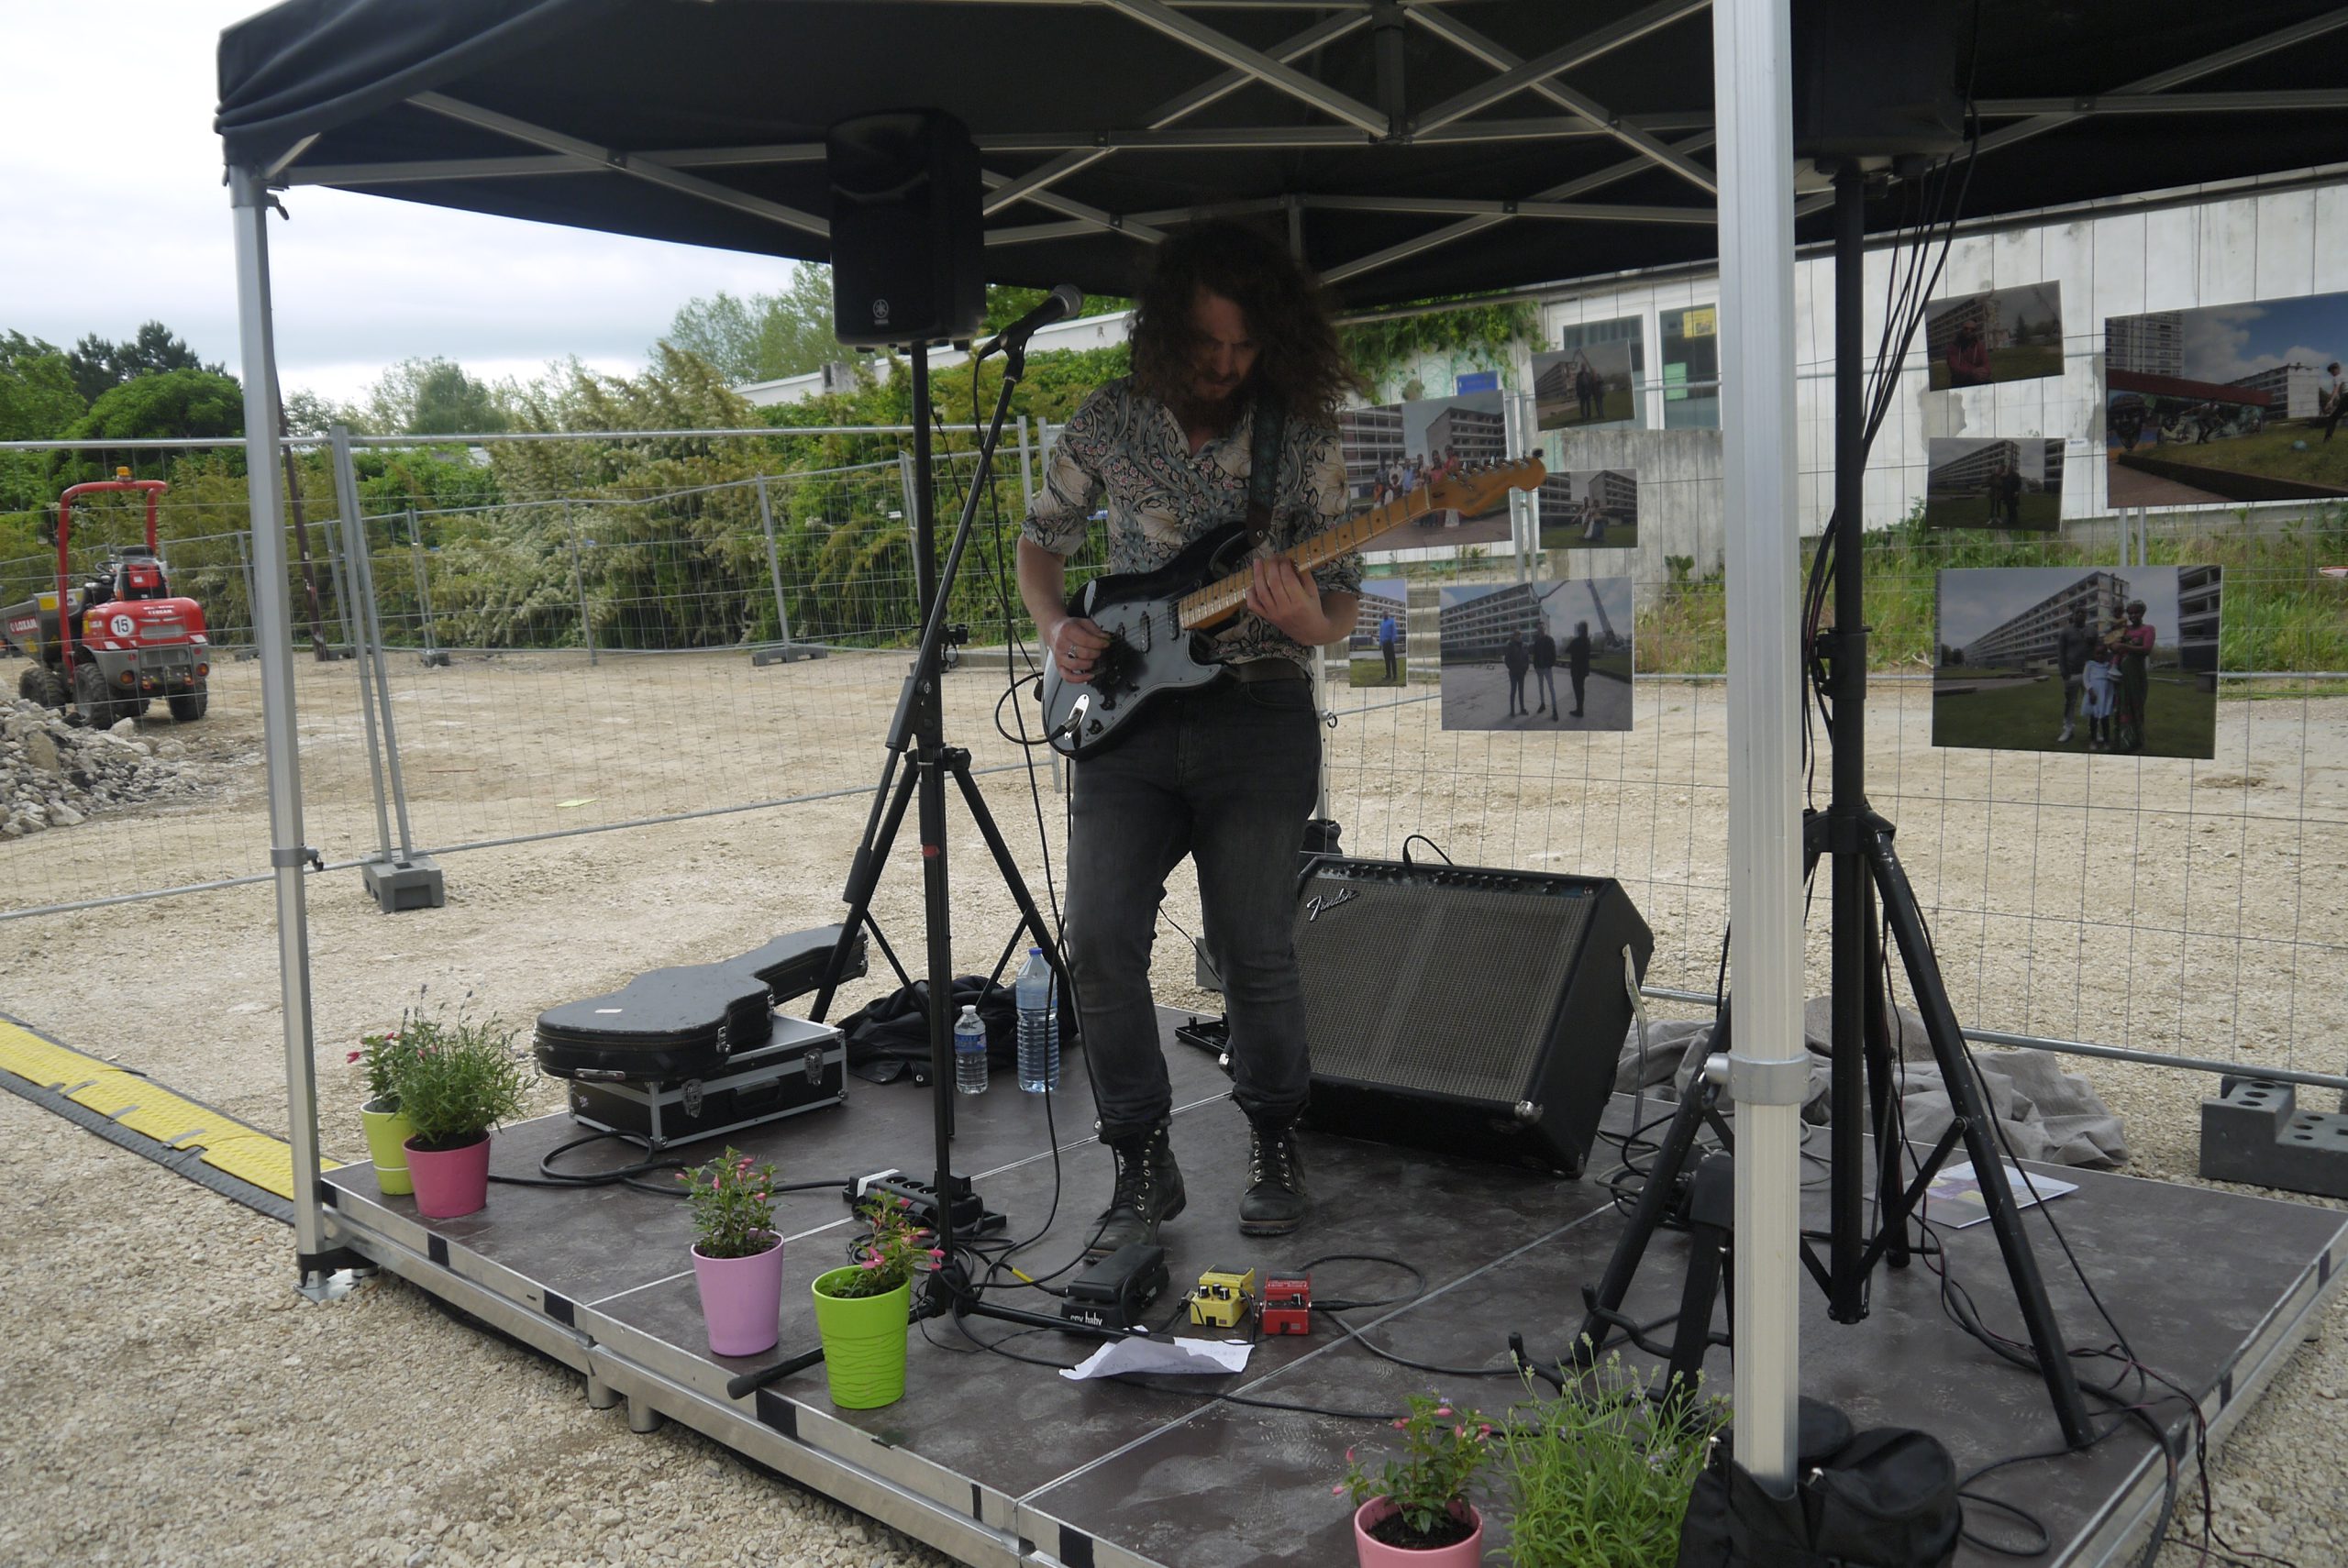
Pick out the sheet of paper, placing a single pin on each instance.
(1209, 1358)
(1954, 1197)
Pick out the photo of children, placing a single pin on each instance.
(1587, 385)
(1594, 509)
(2078, 659)
(2004, 334)
(1392, 449)
(1537, 655)
(2232, 403)
(1990, 483)
(1377, 653)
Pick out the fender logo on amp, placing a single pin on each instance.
(1321, 903)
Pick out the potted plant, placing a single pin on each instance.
(737, 1254)
(1603, 1471)
(387, 1129)
(1413, 1512)
(862, 1310)
(453, 1088)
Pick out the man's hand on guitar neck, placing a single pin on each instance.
(1291, 601)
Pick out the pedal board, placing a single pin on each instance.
(1113, 1292)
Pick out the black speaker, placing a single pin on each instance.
(1463, 1009)
(907, 235)
(1874, 81)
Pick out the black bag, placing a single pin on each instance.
(1884, 1498)
(889, 1038)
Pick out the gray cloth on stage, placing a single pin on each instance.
(2047, 1114)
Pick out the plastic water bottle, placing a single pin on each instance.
(1039, 1025)
(970, 1053)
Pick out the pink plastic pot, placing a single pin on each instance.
(449, 1183)
(741, 1300)
(1375, 1554)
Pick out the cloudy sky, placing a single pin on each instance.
(2226, 342)
(112, 212)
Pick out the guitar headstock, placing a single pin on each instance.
(1473, 491)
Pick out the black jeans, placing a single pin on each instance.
(1226, 775)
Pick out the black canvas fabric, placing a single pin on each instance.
(1887, 1498)
(889, 1039)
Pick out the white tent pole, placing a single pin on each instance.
(273, 640)
(1769, 1068)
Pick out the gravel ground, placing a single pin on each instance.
(177, 1403)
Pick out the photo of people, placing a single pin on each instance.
(1392, 450)
(2227, 403)
(1537, 655)
(1378, 651)
(1991, 483)
(1587, 385)
(2078, 659)
(2004, 334)
(1592, 509)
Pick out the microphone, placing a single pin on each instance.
(1058, 306)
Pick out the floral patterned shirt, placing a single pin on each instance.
(1128, 446)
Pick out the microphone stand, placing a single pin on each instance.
(917, 729)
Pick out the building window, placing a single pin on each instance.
(1691, 368)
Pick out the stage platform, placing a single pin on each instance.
(997, 1462)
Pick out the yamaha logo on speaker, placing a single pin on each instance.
(1322, 903)
(879, 312)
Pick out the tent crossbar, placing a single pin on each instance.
(1173, 111)
(1274, 73)
(646, 170)
(1574, 102)
(2272, 100)
(1594, 212)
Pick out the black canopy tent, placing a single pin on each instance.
(1410, 148)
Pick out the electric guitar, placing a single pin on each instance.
(1158, 621)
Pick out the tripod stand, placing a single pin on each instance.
(1863, 1093)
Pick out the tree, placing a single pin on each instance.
(308, 414)
(171, 403)
(1006, 304)
(763, 337)
(38, 401)
(98, 365)
(432, 397)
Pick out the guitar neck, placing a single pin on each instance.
(1219, 600)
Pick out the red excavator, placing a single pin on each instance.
(117, 640)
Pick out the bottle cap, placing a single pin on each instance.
(969, 1010)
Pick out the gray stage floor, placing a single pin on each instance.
(996, 1461)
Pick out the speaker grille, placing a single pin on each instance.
(1434, 987)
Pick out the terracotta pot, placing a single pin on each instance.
(449, 1183)
(1375, 1554)
(387, 1135)
(864, 1344)
(741, 1300)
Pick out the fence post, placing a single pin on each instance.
(346, 490)
(1026, 470)
(245, 567)
(579, 585)
(774, 563)
(339, 571)
(913, 534)
(432, 654)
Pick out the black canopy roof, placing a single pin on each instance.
(1539, 140)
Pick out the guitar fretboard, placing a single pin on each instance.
(1221, 599)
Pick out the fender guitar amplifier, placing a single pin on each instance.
(1471, 1011)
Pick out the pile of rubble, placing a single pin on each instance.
(54, 774)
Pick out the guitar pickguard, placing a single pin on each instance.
(1148, 654)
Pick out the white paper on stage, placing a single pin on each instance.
(1207, 1358)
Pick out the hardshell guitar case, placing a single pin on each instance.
(683, 1022)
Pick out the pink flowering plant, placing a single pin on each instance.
(733, 1200)
(380, 1056)
(890, 1253)
(1445, 1451)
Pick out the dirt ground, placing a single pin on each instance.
(176, 1403)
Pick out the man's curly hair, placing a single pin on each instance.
(1298, 359)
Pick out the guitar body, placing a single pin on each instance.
(1148, 654)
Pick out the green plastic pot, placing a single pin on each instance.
(864, 1343)
(387, 1136)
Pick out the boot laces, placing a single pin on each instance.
(1134, 1168)
(1272, 1148)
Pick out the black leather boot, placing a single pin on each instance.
(1149, 1188)
(1274, 1203)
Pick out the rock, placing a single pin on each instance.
(65, 816)
(41, 749)
(125, 728)
(170, 750)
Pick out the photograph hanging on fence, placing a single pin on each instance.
(1589, 509)
(1378, 651)
(1391, 449)
(1591, 381)
(1976, 482)
(1536, 655)
(2078, 659)
(2001, 335)
(2228, 403)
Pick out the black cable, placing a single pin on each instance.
(1421, 838)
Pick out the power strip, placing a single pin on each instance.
(971, 1215)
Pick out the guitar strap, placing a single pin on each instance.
(1264, 465)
